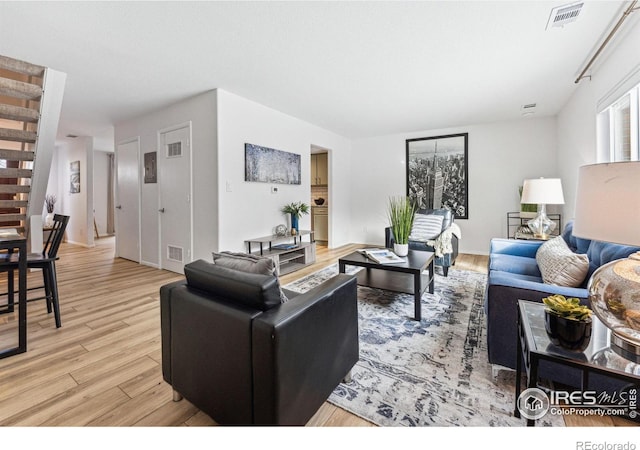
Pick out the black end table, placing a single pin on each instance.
(534, 346)
(407, 277)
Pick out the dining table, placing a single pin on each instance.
(10, 243)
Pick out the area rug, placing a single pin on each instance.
(429, 373)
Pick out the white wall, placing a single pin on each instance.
(80, 227)
(501, 156)
(53, 186)
(201, 112)
(617, 69)
(249, 209)
(100, 188)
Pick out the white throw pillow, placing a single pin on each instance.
(426, 227)
(559, 265)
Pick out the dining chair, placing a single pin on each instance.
(45, 261)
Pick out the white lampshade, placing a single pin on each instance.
(542, 191)
(608, 210)
(608, 203)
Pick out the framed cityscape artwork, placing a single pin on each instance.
(438, 174)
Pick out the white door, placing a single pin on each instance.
(174, 179)
(127, 201)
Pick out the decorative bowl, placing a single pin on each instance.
(571, 334)
(319, 201)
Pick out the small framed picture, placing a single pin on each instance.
(74, 177)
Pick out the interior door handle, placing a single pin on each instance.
(161, 210)
(119, 207)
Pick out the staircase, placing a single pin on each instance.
(30, 104)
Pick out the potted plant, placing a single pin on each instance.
(295, 209)
(50, 203)
(567, 322)
(527, 210)
(401, 212)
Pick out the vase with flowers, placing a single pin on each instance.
(295, 209)
(50, 203)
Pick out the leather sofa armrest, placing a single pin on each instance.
(165, 326)
(206, 351)
(302, 350)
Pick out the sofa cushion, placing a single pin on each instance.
(576, 244)
(559, 265)
(256, 290)
(520, 265)
(426, 227)
(246, 262)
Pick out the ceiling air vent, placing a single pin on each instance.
(528, 109)
(562, 15)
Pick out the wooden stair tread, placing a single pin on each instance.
(14, 189)
(15, 173)
(16, 155)
(9, 134)
(20, 89)
(13, 203)
(18, 113)
(12, 217)
(23, 67)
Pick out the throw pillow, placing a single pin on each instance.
(246, 262)
(426, 227)
(559, 265)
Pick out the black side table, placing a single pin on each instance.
(11, 243)
(535, 346)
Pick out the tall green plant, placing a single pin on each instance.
(401, 212)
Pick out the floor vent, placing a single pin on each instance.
(562, 15)
(174, 253)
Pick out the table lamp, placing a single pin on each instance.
(608, 210)
(543, 192)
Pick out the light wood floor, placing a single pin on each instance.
(102, 368)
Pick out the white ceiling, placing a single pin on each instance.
(356, 68)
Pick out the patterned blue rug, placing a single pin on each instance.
(429, 373)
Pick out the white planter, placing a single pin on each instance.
(401, 249)
(48, 220)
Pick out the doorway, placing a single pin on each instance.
(320, 217)
(175, 211)
(128, 200)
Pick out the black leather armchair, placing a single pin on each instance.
(445, 261)
(231, 348)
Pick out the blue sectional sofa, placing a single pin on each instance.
(514, 275)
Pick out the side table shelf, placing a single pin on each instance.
(515, 222)
(286, 260)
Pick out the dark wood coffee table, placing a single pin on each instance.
(407, 277)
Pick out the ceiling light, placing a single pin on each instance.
(562, 15)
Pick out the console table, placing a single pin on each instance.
(293, 254)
